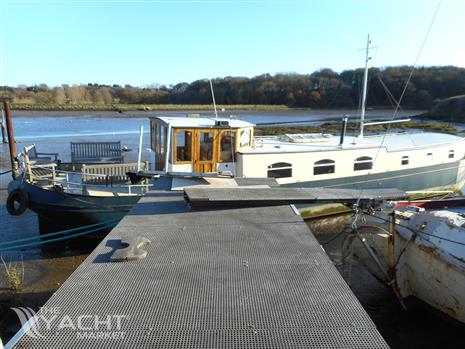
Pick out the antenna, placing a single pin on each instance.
(213, 97)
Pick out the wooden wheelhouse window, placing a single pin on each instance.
(245, 137)
(451, 154)
(227, 146)
(325, 166)
(363, 163)
(183, 149)
(206, 139)
(405, 160)
(280, 170)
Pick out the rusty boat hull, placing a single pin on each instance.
(424, 256)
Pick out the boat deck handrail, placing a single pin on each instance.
(97, 185)
(68, 172)
(74, 180)
(120, 188)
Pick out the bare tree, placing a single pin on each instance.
(59, 95)
(77, 94)
(102, 96)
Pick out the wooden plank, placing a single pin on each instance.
(199, 197)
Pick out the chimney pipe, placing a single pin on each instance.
(343, 130)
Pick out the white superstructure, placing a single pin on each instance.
(410, 161)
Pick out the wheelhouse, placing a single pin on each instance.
(198, 145)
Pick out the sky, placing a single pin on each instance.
(147, 42)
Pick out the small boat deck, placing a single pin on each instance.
(224, 278)
(391, 141)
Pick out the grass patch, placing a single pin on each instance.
(323, 210)
(15, 273)
(353, 128)
(435, 195)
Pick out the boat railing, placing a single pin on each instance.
(82, 182)
(85, 188)
(266, 137)
(110, 173)
(88, 172)
(258, 140)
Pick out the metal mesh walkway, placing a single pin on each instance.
(238, 278)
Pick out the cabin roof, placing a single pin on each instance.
(177, 121)
(392, 142)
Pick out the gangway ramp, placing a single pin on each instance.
(224, 278)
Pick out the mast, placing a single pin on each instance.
(213, 97)
(365, 83)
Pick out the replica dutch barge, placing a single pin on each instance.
(218, 146)
(407, 161)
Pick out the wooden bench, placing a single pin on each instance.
(38, 166)
(34, 157)
(109, 173)
(96, 152)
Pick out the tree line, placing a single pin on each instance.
(324, 88)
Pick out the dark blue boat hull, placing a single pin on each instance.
(58, 211)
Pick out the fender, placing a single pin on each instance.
(17, 202)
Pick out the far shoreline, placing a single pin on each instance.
(222, 113)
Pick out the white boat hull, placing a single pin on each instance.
(424, 270)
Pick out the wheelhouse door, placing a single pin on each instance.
(205, 143)
(158, 140)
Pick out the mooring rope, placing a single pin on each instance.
(95, 227)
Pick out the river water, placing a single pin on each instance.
(54, 133)
(44, 271)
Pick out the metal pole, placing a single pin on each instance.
(139, 155)
(390, 249)
(365, 82)
(4, 140)
(11, 139)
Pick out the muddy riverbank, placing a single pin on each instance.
(420, 326)
(35, 273)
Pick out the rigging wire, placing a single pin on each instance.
(392, 100)
(403, 91)
(416, 231)
(331, 239)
